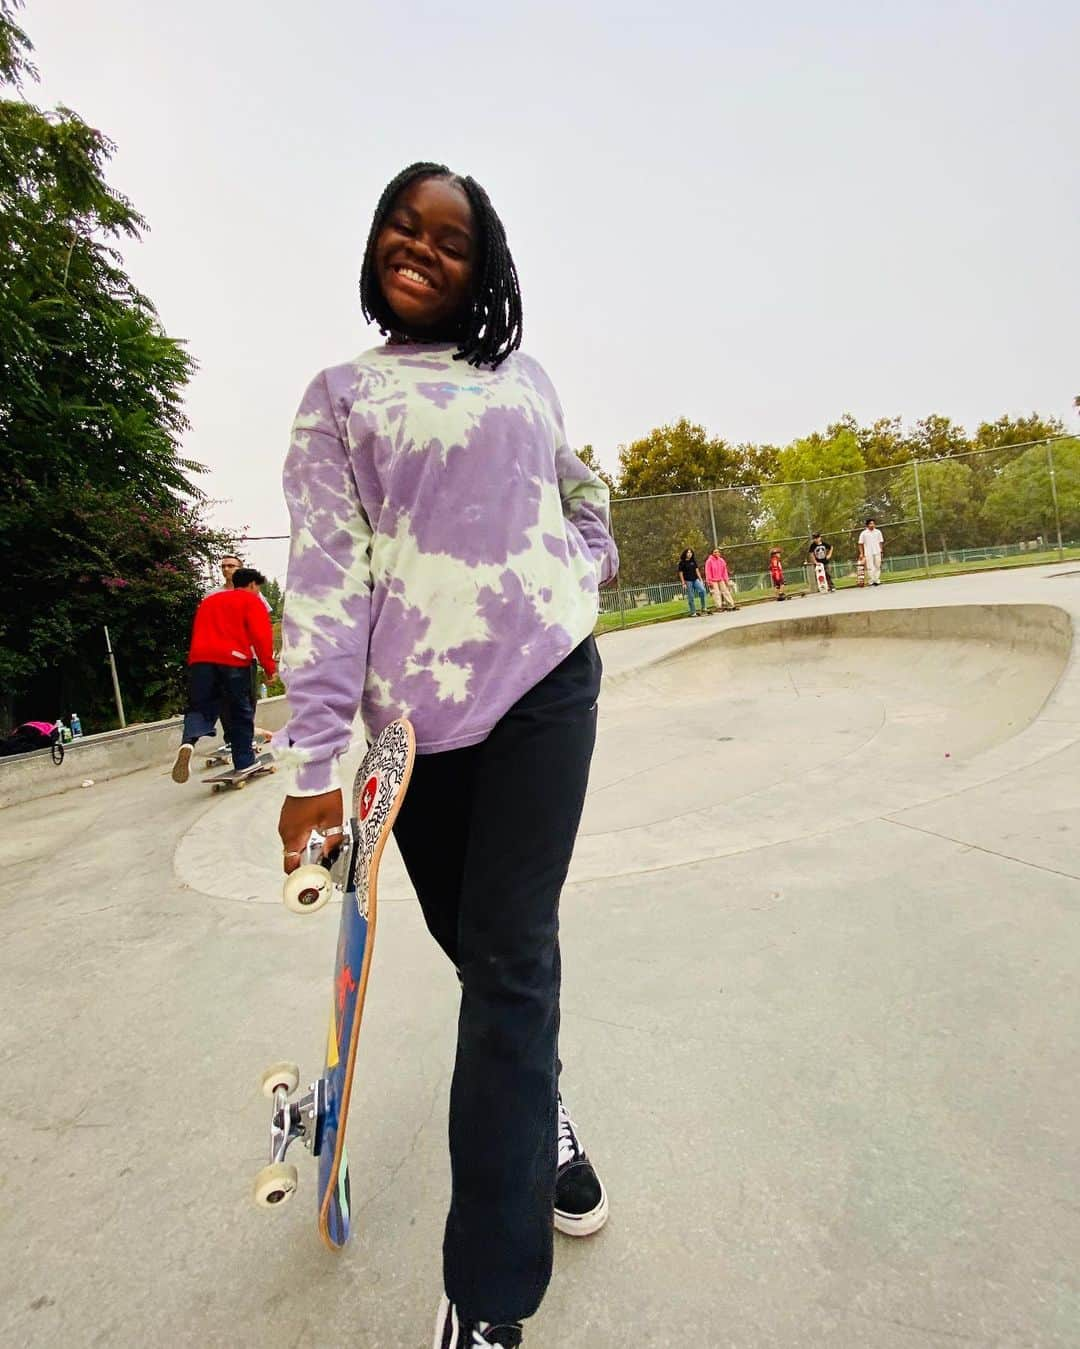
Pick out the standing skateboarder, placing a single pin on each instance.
(820, 550)
(871, 549)
(776, 571)
(229, 625)
(718, 579)
(689, 573)
(447, 550)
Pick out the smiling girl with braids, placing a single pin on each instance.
(447, 549)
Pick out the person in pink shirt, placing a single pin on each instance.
(718, 580)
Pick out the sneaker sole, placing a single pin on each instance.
(583, 1224)
(182, 764)
(446, 1325)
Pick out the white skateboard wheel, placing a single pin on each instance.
(307, 889)
(284, 1074)
(275, 1184)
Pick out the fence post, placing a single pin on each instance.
(809, 535)
(712, 518)
(115, 681)
(622, 605)
(1053, 493)
(922, 520)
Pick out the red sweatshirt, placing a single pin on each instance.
(229, 625)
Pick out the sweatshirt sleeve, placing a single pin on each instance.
(261, 633)
(586, 502)
(326, 619)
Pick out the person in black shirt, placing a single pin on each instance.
(692, 582)
(821, 551)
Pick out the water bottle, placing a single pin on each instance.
(262, 692)
(65, 733)
(76, 726)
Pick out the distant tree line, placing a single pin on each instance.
(991, 487)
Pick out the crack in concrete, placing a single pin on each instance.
(409, 1151)
(968, 846)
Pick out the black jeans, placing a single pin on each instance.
(486, 834)
(225, 689)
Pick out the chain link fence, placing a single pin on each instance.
(1019, 502)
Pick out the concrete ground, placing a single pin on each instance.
(821, 1014)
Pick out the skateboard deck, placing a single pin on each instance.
(222, 753)
(822, 579)
(860, 573)
(234, 779)
(321, 1117)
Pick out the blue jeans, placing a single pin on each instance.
(695, 588)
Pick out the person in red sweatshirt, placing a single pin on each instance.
(229, 625)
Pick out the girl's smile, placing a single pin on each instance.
(424, 255)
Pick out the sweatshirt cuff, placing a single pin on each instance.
(312, 779)
(303, 776)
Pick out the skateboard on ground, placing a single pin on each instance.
(222, 753)
(236, 778)
(822, 578)
(319, 1117)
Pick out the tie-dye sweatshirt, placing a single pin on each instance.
(447, 546)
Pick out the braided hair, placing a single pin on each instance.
(490, 327)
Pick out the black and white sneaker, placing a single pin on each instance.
(452, 1332)
(581, 1206)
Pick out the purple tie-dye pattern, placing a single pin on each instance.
(556, 547)
(488, 497)
(442, 395)
(415, 505)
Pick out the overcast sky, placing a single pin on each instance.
(757, 216)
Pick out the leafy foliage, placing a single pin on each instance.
(274, 597)
(989, 488)
(100, 520)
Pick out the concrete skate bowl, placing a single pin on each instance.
(779, 729)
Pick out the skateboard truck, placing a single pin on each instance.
(291, 1120)
(310, 886)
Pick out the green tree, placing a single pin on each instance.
(1019, 504)
(936, 437)
(798, 502)
(1016, 431)
(274, 597)
(99, 519)
(587, 455)
(714, 499)
(950, 506)
(679, 458)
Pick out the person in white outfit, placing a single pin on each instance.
(871, 548)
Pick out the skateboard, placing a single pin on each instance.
(234, 779)
(822, 579)
(222, 754)
(319, 1117)
(860, 573)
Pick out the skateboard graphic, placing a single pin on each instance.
(860, 572)
(319, 1117)
(236, 778)
(222, 753)
(821, 577)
